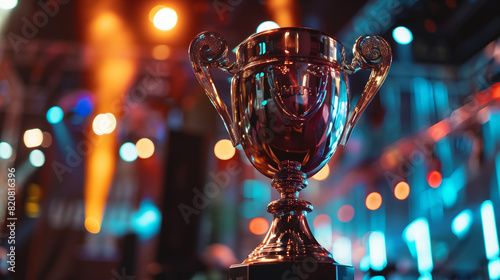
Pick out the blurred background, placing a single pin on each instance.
(123, 169)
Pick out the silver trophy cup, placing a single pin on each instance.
(290, 111)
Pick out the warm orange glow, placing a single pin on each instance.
(33, 138)
(258, 226)
(112, 65)
(165, 19)
(92, 225)
(401, 190)
(389, 160)
(373, 201)
(322, 174)
(322, 220)
(439, 130)
(32, 209)
(224, 149)
(145, 148)
(161, 52)
(345, 213)
(154, 11)
(434, 179)
(284, 12)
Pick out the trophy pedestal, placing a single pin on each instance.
(291, 271)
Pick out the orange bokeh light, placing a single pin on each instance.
(402, 190)
(224, 149)
(434, 179)
(258, 226)
(345, 213)
(322, 174)
(373, 201)
(161, 52)
(145, 148)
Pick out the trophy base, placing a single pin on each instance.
(291, 271)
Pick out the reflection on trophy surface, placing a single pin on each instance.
(290, 111)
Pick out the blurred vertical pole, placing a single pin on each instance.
(284, 12)
(112, 64)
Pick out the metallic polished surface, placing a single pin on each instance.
(289, 238)
(290, 107)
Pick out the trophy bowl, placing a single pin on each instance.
(290, 111)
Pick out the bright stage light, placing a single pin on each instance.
(5, 150)
(402, 35)
(8, 4)
(224, 149)
(145, 148)
(37, 158)
(165, 19)
(128, 152)
(378, 255)
(267, 25)
(33, 138)
(104, 124)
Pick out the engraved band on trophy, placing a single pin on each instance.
(290, 110)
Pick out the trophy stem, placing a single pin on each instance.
(289, 238)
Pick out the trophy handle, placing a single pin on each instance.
(209, 50)
(370, 52)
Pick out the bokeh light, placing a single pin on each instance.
(373, 201)
(401, 190)
(345, 213)
(165, 19)
(37, 158)
(55, 115)
(33, 138)
(402, 35)
(104, 124)
(47, 139)
(84, 106)
(5, 150)
(224, 149)
(145, 148)
(267, 25)
(128, 152)
(322, 220)
(258, 226)
(8, 4)
(434, 179)
(322, 174)
(161, 52)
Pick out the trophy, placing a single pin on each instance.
(290, 111)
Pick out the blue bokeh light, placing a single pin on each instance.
(267, 25)
(128, 152)
(5, 150)
(147, 220)
(84, 106)
(37, 158)
(55, 115)
(402, 35)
